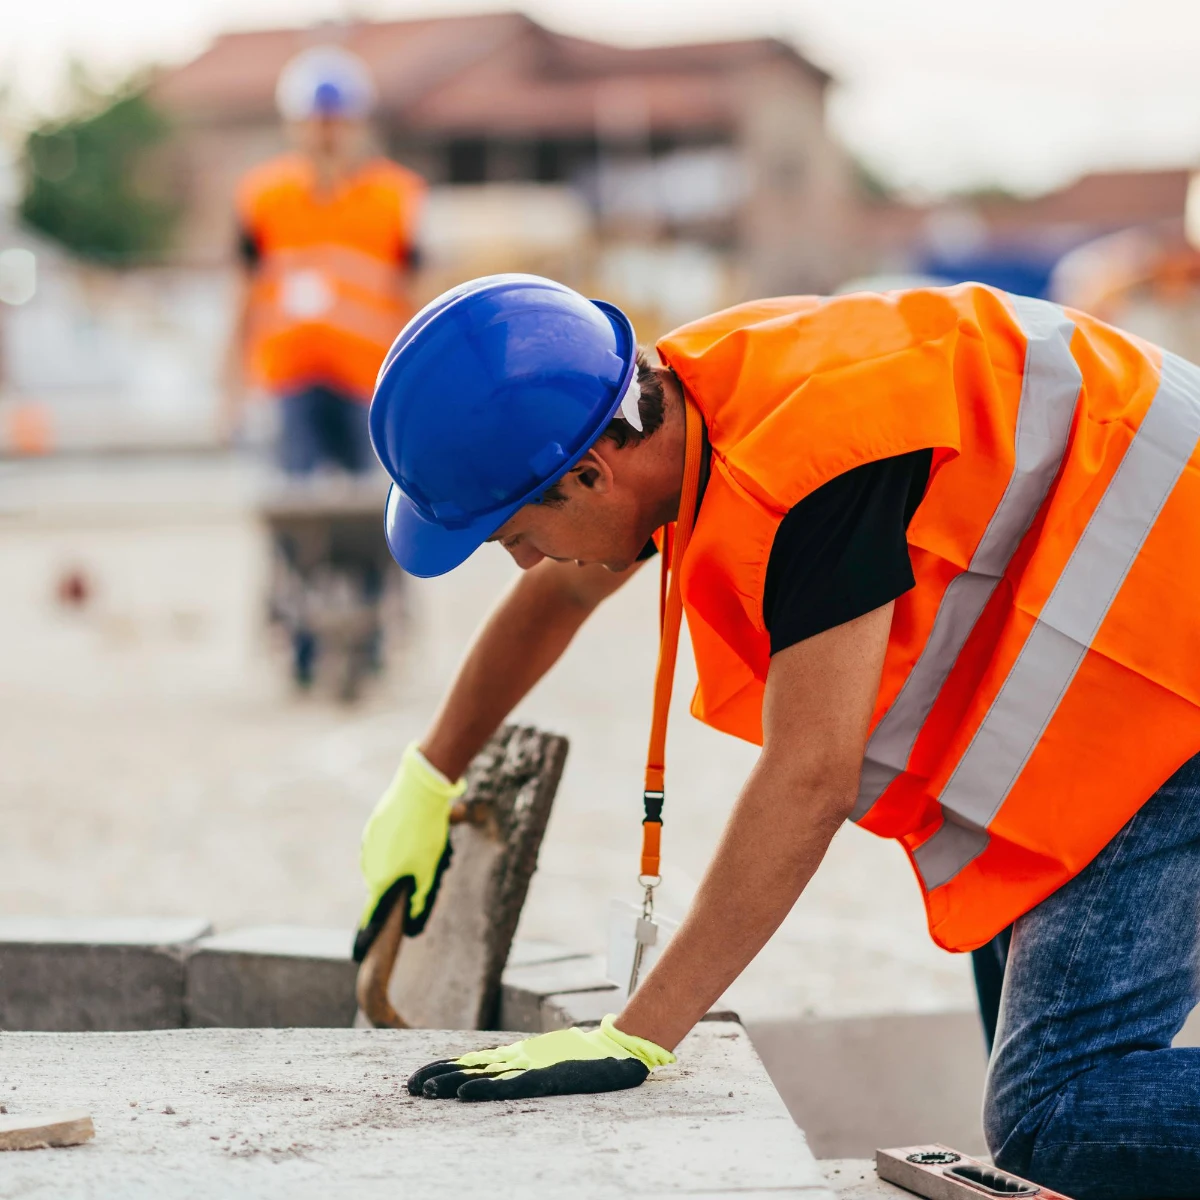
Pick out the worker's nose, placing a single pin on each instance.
(525, 556)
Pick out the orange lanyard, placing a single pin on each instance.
(670, 613)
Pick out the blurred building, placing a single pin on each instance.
(674, 179)
(1122, 245)
(1017, 242)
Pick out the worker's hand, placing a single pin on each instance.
(552, 1064)
(406, 846)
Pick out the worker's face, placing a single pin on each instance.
(600, 521)
(330, 136)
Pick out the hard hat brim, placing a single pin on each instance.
(426, 549)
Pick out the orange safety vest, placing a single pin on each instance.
(326, 299)
(1042, 679)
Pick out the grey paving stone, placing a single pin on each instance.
(302, 1114)
(68, 974)
(525, 990)
(565, 991)
(449, 977)
(528, 952)
(864, 1082)
(276, 976)
(565, 1009)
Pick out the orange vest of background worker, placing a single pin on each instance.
(1043, 676)
(328, 239)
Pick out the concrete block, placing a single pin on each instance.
(524, 991)
(276, 976)
(529, 952)
(78, 974)
(449, 977)
(566, 991)
(856, 1084)
(564, 1009)
(302, 1114)
(863, 1082)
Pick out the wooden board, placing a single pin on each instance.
(449, 977)
(40, 1131)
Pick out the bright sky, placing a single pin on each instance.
(934, 94)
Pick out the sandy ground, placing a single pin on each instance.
(154, 761)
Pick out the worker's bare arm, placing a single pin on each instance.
(818, 703)
(521, 639)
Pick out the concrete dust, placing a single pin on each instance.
(156, 762)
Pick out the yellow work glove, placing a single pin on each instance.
(562, 1063)
(406, 844)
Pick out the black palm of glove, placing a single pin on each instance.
(565, 1062)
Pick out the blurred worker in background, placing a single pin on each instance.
(327, 239)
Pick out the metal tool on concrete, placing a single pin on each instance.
(449, 977)
(940, 1173)
(40, 1131)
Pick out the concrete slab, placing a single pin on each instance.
(276, 976)
(449, 977)
(68, 974)
(855, 1179)
(865, 1082)
(528, 952)
(299, 1114)
(527, 992)
(569, 989)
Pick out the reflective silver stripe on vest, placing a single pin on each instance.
(1049, 392)
(1077, 606)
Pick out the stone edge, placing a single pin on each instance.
(546, 987)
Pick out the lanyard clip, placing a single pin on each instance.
(649, 877)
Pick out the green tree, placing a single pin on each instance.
(89, 177)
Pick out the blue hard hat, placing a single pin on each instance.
(325, 81)
(490, 394)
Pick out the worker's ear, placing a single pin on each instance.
(592, 473)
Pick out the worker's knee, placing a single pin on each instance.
(1012, 1122)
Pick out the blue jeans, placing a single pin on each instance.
(1084, 1092)
(321, 427)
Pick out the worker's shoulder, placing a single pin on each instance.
(286, 173)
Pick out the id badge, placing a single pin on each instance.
(628, 932)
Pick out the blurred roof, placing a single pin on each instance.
(1103, 200)
(493, 72)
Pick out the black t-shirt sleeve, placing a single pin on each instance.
(841, 552)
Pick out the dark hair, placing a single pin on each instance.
(651, 407)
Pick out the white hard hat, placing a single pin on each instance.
(325, 81)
